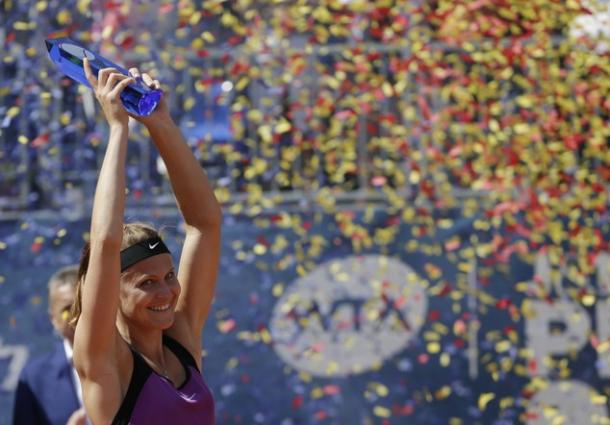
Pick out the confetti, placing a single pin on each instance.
(460, 136)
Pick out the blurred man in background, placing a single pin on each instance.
(49, 391)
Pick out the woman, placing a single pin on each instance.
(137, 344)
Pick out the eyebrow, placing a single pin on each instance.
(134, 277)
(138, 277)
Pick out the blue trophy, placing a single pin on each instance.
(68, 56)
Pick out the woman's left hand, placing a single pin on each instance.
(161, 111)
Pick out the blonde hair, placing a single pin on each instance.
(132, 234)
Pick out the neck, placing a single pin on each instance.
(148, 343)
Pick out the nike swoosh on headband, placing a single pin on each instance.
(142, 250)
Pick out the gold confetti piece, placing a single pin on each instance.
(433, 271)
(83, 6)
(265, 336)
(317, 393)
(599, 399)
(382, 412)
(248, 336)
(380, 389)
(484, 399)
(443, 392)
(13, 111)
(503, 346)
(195, 18)
(64, 17)
(588, 300)
(464, 267)
(332, 368)
(265, 133)
(277, 290)
(433, 347)
(283, 127)
(232, 363)
(65, 118)
(21, 26)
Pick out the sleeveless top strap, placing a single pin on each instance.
(141, 372)
(179, 351)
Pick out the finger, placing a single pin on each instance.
(156, 85)
(134, 72)
(116, 91)
(103, 74)
(148, 80)
(88, 73)
(113, 80)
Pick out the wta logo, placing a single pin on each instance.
(349, 315)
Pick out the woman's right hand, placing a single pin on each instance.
(107, 88)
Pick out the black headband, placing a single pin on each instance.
(142, 250)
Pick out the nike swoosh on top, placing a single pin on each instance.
(153, 245)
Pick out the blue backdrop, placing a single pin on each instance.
(464, 357)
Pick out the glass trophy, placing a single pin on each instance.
(68, 55)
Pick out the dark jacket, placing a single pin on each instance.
(45, 393)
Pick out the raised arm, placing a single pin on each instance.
(95, 341)
(202, 215)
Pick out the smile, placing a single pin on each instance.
(160, 308)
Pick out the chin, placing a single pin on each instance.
(168, 324)
(165, 322)
(161, 320)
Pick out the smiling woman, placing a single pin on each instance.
(143, 254)
(137, 322)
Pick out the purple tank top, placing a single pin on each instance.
(152, 399)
